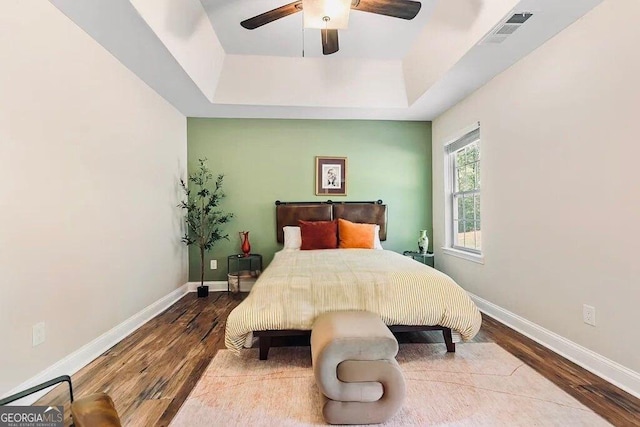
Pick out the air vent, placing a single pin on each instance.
(507, 27)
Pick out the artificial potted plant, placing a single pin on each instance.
(203, 218)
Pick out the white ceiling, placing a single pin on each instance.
(196, 55)
(368, 36)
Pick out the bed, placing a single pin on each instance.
(299, 285)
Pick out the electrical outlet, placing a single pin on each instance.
(214, 264)
(589, 315)
(38, 334)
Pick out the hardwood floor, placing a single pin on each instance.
(150, 373)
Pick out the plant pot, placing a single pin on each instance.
(203, 291)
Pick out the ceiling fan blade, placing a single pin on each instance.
(405, 9)
(272, 15)
(329, 41)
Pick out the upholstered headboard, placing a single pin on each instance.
(288, 214)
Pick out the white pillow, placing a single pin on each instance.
(376, 239)
(292, 238)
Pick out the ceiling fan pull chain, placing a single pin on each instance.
(326, 20)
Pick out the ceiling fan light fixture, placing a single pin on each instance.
(336, 10)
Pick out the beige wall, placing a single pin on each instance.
(561, 199)
(89, 158)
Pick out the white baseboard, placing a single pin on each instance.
(214, 286)
(607, 369)
(218, 286)
(87, 353)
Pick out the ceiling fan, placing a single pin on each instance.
(331, 15)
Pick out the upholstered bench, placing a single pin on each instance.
(353, 355)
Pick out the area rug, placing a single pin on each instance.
(479, 385)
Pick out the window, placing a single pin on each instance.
(464, 193)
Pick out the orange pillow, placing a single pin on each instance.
(354, 235)
(318, 235)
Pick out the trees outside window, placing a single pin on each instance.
(464, 175)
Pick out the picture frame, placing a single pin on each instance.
(331, 176)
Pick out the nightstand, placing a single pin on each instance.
(423, 258)
(242, 269)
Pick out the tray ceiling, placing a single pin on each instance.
(196, 55)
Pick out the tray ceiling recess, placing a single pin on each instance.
(320, 59)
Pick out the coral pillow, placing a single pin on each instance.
(354, 235)
(318, 234)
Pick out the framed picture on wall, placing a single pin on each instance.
(331, 176)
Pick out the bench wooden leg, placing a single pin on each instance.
(448, 339)
(265, 344)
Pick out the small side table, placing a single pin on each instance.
(423, 258)
(241, 267)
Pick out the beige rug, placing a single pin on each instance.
(480, 385)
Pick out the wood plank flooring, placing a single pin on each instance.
(150, 373)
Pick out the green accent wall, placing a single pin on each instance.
(265, 160)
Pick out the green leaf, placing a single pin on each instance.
(202, 216)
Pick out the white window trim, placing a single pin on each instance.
(469, 256)
(449, 249)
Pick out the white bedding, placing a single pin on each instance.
(299, 285)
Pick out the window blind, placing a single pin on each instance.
(466, 139)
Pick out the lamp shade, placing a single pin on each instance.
(337, 10)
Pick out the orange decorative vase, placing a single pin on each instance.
(246, 246)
